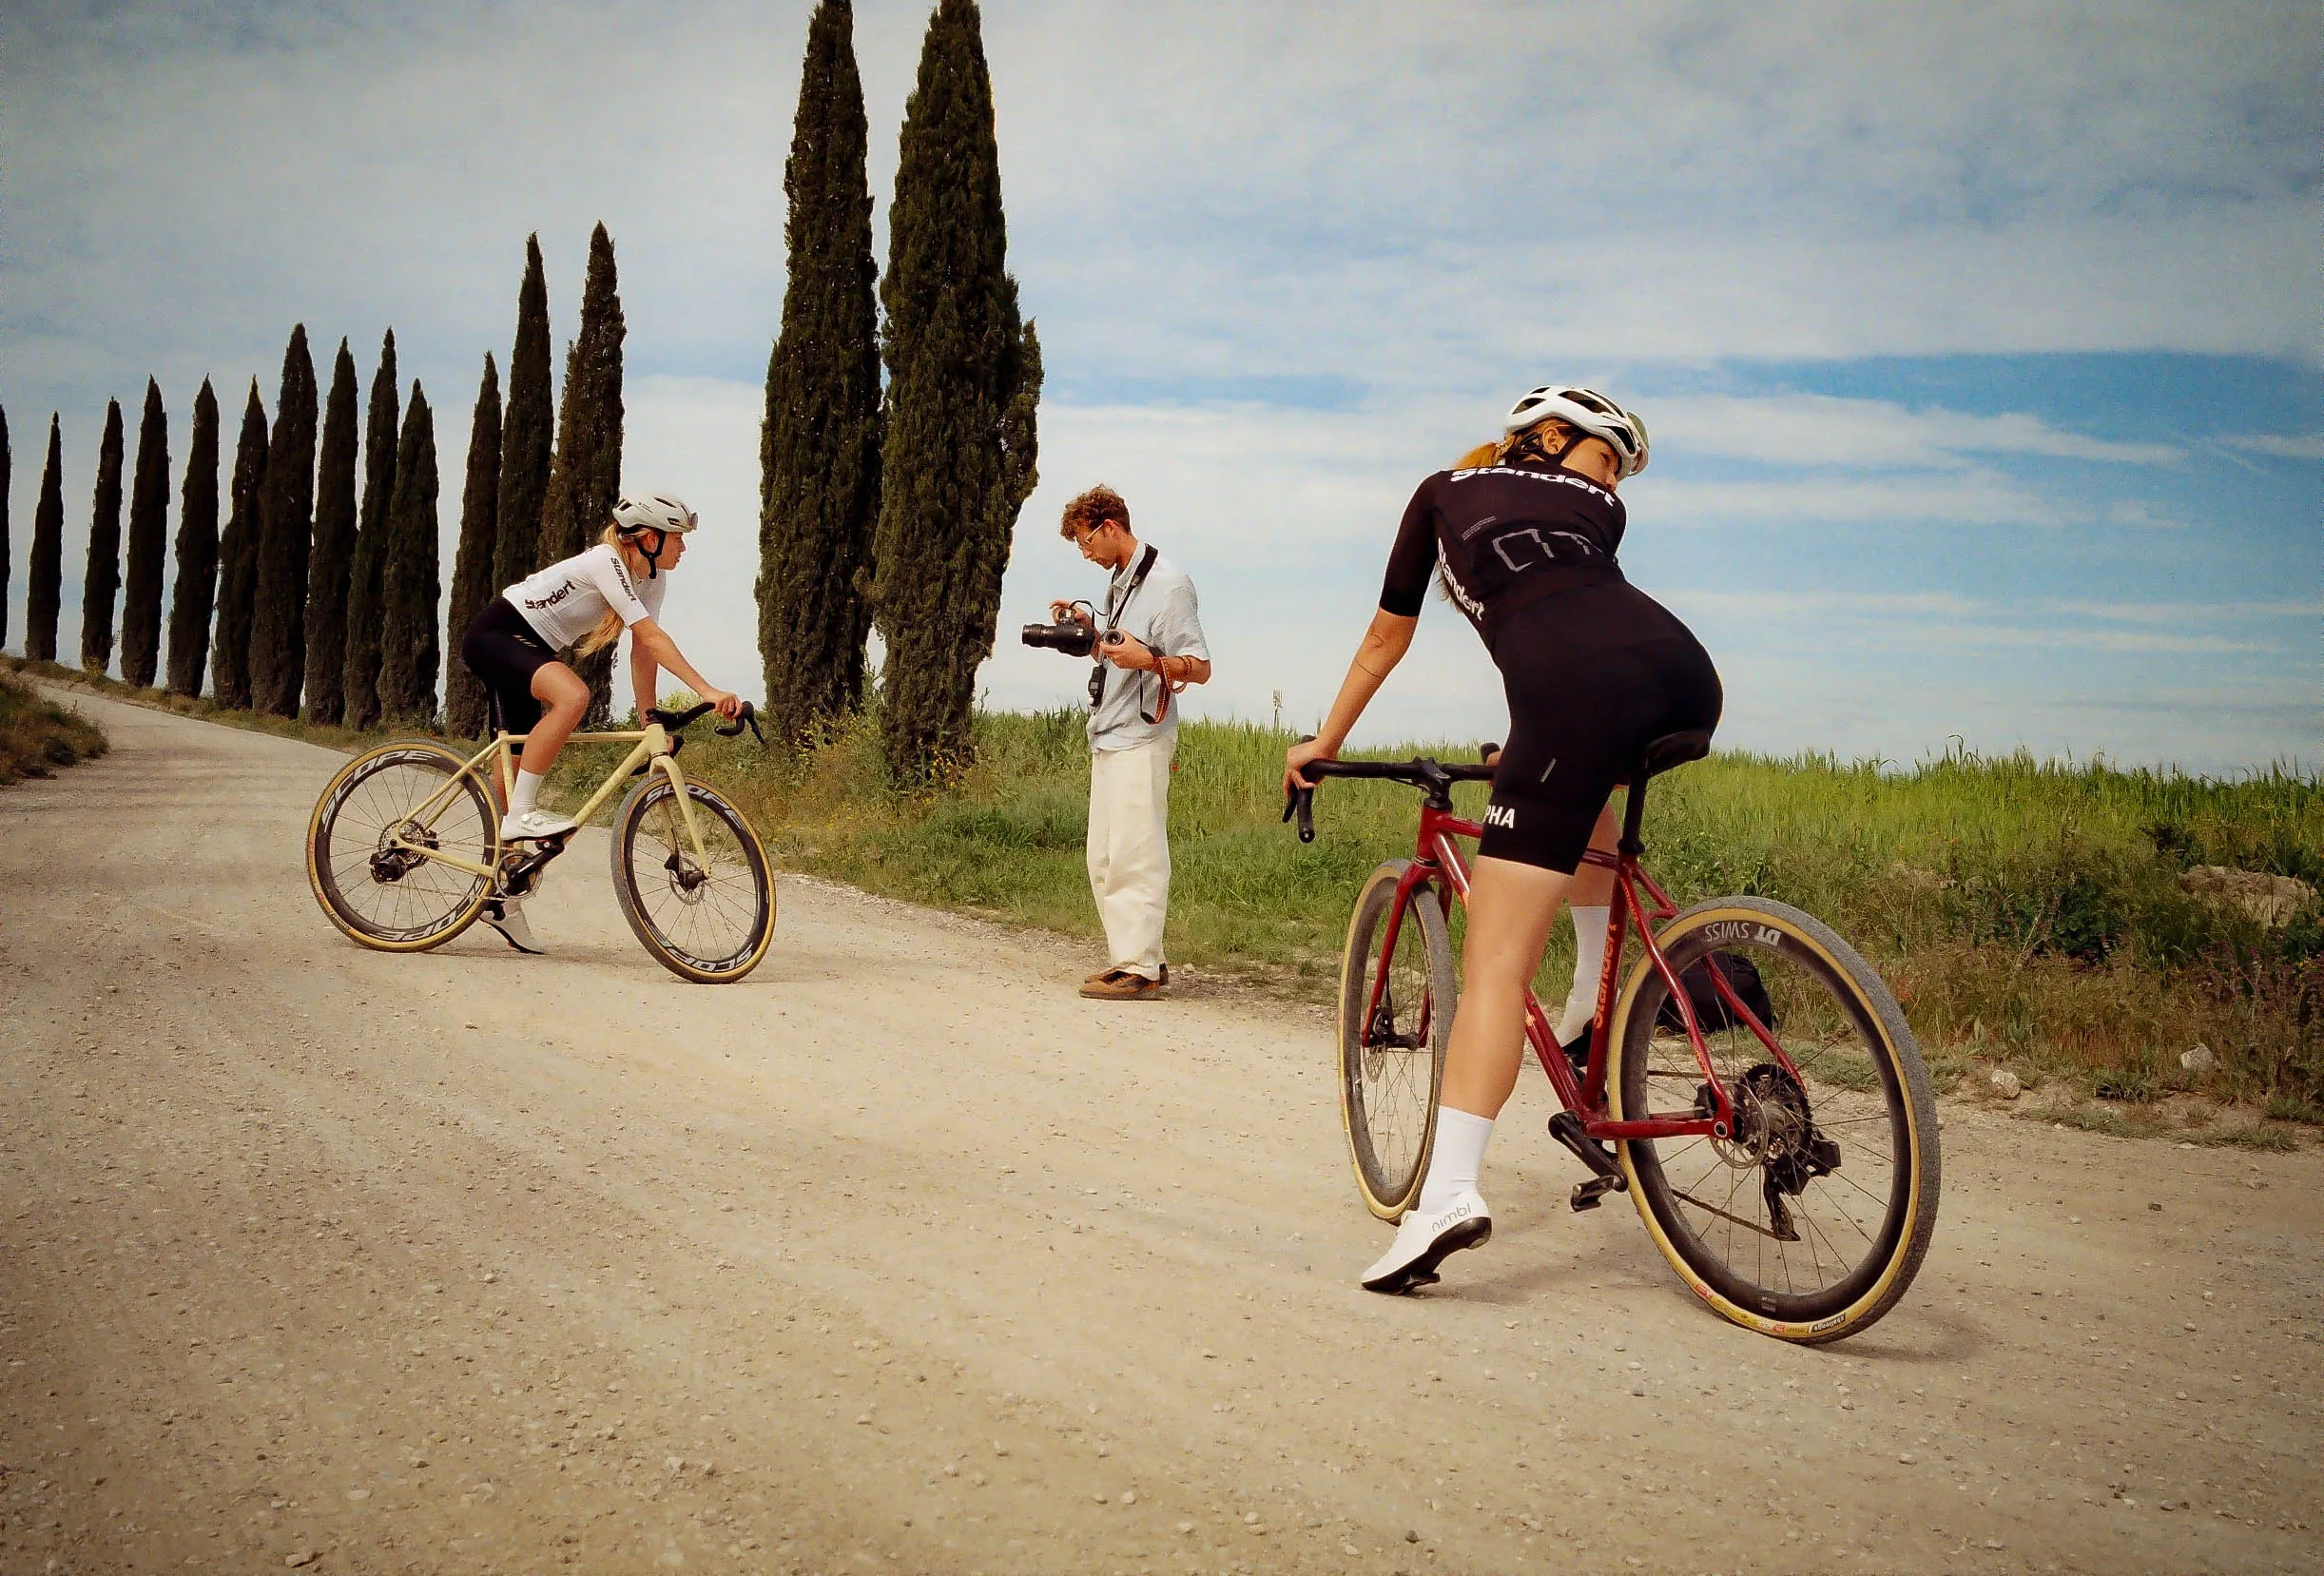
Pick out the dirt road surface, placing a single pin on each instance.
(900, 1258)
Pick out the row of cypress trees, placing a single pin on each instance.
(889, 508)
(893, 511)
(311, 595)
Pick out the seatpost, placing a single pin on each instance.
(1634, 814)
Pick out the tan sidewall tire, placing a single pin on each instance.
(624, 824)
(1372, 901)
(340, 780)
(1919, 1110)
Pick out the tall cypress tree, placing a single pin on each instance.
(409, 646)
(44, 589)
(527, 432)
(585, 480)
(328, 569)
(197, 585)
(238, 562)
(286, 515)
(957, 459)
(7, 461)
(471, 565)
(141, 607)
(362, 678)
(819, 446)
(103, 577)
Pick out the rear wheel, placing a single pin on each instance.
(708, 916)
(1397, 996)
(1810, 1219)
(395, 898)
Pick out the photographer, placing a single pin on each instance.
(1147, 647)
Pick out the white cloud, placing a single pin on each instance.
(1979, 498)
(2297, 446)
(1819, 430)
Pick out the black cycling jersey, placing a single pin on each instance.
(1505, 534)
(1593, 667)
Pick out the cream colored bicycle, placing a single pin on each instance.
(404, 850)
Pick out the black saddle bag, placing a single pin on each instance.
(1711, 1010)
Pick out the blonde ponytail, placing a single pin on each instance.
(608, 626)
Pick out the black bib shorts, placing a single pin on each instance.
(1593, 675)
(504, 653)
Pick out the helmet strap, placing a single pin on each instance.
(653, 559)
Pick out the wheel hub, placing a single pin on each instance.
(392, 864)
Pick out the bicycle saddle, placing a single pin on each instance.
(1672, 749)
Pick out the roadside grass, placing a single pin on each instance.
(37, 736)
(2029, 914)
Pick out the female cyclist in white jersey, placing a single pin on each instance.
(582, 603)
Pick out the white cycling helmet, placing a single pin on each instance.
(653, 511)
(1588, 411)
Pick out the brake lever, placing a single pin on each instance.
(747, 717)
(1300, 802)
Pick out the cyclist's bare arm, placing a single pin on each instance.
(1384, 646)
(651, 648)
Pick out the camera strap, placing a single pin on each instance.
(1115, 607)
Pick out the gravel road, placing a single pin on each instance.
(900, 1258)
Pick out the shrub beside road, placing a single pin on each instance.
(37, 735)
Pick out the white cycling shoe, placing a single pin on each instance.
(1425, 1242)
(535, 823)
(507, 915)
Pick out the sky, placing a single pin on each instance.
(1982, 347)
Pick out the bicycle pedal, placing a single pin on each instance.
(1587, 1194)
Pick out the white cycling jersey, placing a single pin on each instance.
(564, 601)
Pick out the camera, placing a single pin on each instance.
(1070, 635)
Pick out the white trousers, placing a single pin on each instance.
(1129, 851)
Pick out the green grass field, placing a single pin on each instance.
(2027, 914)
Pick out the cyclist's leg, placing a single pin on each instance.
(564, 700)
(1511, 908)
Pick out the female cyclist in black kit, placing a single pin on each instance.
(1524, 534)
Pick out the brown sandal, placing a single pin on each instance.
(1119, 985)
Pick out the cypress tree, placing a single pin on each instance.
(44, 590)
(526, 431)
(238, 562)
(819, 446)
(329, 568)
(6, 465)
(141, 607)
(362, 677)
(196, 587)
(471, 565)
(286, 525)
(585, 480)
(957, 459)
(102, 579)
(409, 647)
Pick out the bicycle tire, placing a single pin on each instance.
(1808, 950)
(650, 910)
(1390, 1165)
(329, 866)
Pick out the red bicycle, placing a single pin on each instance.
(1753, 1085)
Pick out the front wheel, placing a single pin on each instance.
(1397, 995)
(1808, 1221)
(707, 916)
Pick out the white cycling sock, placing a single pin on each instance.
(1457, 1156)
(527, 793)
(1589, 956)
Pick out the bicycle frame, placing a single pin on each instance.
(651, 746)
(1437, 857)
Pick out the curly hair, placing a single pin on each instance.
(1093, 508)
